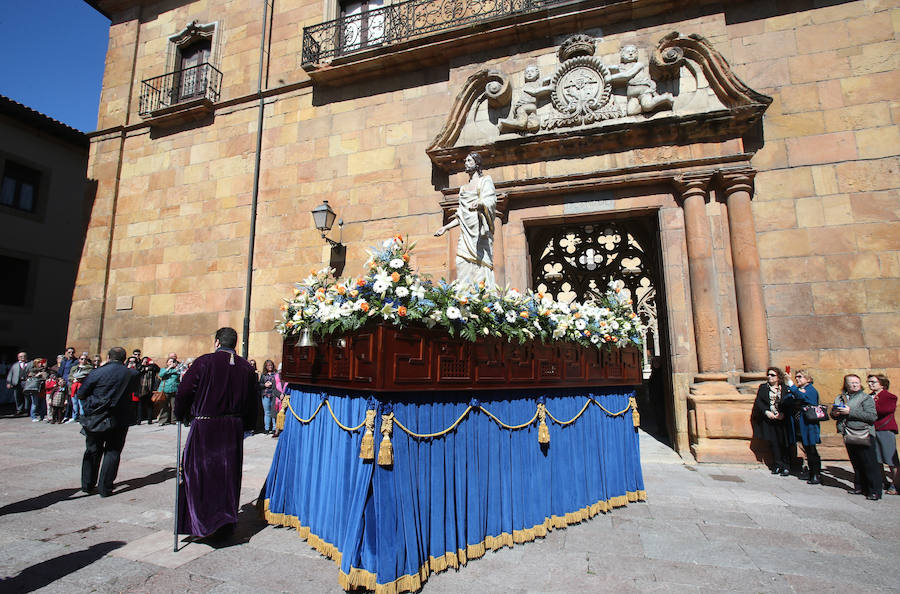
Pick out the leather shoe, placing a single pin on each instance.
(856, 492)
(814, 479)
(785, 472)
(873, 497)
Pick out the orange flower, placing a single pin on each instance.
(354, 293)
(395, 276)
(577, 315)
(484, 309)
(341, 289)
(524, 314)
(401, 311)
(587, 332)
(480, 284)
(464, 300)
(360, 282)
(364, 306)
(398, 237)
(283, 307)
(289, 324)
(406, 257)
(614, 339)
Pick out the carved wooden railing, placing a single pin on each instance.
(380, 357)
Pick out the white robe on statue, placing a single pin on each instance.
(475, 250)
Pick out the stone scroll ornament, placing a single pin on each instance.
(581, 90)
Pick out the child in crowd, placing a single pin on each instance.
(49, 388)
(59, 394)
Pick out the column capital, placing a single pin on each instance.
(688, 185)
(735, 179)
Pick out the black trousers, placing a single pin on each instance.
(866, 468)
(813, 458)
(20, 399)
(101, 457)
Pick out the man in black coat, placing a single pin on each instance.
(107, 414)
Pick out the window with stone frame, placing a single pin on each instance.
(362, 24)
(192, 53)
(20, 185)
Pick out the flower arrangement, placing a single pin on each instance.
(391, 291)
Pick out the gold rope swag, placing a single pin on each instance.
(386, 448)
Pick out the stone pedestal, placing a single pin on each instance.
(719, 420)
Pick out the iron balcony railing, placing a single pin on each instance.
(403, 21)
(196, 82)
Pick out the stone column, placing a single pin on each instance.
(694, 190)
(737, 186)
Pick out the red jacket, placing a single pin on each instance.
(885, 405)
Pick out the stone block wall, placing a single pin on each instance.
(826, 193)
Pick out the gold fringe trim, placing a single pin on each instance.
(280, 417)
(635, 415)
(361, 578)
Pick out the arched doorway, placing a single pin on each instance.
(578, 260)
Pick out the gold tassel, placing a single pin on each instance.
(543, 430)
(367, 446)
(386, 449)
(635, 415)
(279, 418)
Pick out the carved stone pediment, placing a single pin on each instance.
(685, 92)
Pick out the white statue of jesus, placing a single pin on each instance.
(475, 218)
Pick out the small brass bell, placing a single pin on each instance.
(305, 339)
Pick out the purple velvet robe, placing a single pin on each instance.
(220, 399)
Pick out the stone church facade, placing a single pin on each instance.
(732, 164)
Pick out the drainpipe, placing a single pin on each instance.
(245, 335)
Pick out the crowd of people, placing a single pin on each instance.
(786, 413)
(47, 392)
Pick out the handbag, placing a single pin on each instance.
(856, 436)
(815, 413)
(158, 396)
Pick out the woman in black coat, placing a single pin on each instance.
(771, 420)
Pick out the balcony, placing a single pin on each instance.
(405, 21)
(184, 94)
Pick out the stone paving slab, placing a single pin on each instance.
(704, 528)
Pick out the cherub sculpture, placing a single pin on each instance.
(524, 111)
(641, 89)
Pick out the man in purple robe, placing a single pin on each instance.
(218, 395)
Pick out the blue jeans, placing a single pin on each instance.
(77, 408)
(268, 404)
(38, 404)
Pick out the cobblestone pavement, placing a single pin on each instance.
(704, 528)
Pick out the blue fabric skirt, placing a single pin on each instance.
(486, 483)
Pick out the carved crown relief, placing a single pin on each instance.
(599, 98)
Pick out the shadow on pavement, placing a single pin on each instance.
(46, 572)
(47, 499)
(154, 478)
(37, 502)
(248, 525)
(833, 475)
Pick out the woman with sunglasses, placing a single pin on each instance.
(885, 428)
(800, 395)
(771, 421)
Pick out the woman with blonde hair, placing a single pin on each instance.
(855, 413)
(799, 397)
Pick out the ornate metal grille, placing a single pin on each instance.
(404, 21)
(196, 82)
(577, 262)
